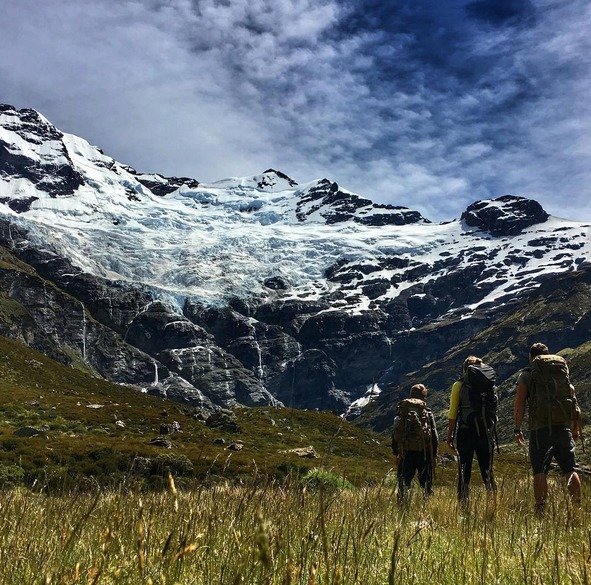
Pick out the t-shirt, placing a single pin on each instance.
(524, 378)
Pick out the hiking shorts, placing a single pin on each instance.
(552, 442)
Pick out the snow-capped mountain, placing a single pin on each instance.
(258, 289)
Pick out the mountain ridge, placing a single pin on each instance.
(256, 290)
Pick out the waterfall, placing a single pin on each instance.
(83, 332)
(155, 383)
(260, 356)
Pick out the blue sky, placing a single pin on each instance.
(429, 104)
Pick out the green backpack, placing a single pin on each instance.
(551, 395)
(412, 431)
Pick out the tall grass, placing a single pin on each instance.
(277, 534)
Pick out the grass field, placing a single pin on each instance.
(280, 534)
(72, 510)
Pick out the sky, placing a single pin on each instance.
(431, 104)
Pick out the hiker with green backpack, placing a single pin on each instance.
(554, 420)
(414, 442)
(472, 423)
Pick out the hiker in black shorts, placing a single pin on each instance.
(554, 420)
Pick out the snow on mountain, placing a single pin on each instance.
(331, 281)
(227, 238)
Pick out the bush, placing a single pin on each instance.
(321, 479)
(11, 475)
(176, 464)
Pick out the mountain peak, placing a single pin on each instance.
(334, 204)
(280, 175)
(270, 181)
(507, 215)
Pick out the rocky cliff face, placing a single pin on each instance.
(252, 290)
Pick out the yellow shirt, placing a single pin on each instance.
(454, 400)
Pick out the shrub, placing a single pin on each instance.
(322, 479)
(178, 464)
(11, 475)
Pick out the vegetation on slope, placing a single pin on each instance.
(92, 428)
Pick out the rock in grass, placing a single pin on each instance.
(223, 419)
(161, 442)
(307, 452)
(238, 446)
(29, 432)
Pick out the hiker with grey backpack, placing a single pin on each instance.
(554, 420)
(472, 423)
(414, 442)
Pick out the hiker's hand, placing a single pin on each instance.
(450, 443)
(519, 437)
(576, 431)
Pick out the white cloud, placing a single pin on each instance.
(212, 89)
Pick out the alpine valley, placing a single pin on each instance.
(260, 291)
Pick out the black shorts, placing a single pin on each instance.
(552, 442)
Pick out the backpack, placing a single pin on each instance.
(478, 397)
(551, 395)
(412, 429)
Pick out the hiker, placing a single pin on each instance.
(554, 420)
(414, 441)
(472, 423)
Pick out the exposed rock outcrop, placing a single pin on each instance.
(507, 215)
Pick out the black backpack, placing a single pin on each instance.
(478, 396)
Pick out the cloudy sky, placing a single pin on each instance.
(426, 103)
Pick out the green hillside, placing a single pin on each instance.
(81, 438)
(558, 314)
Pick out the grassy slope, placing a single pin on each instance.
(82, 441)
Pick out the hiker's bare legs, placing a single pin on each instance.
(573, 484)
(541, 490)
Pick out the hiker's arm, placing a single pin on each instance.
(519, 411)
(454, 404)
(577, 423)
(434, 436)
(451, 429)
(395, 452)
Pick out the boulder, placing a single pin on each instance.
(223, 419)
(29, 432)
(237, 446)
(305, 452)
(161, 442)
